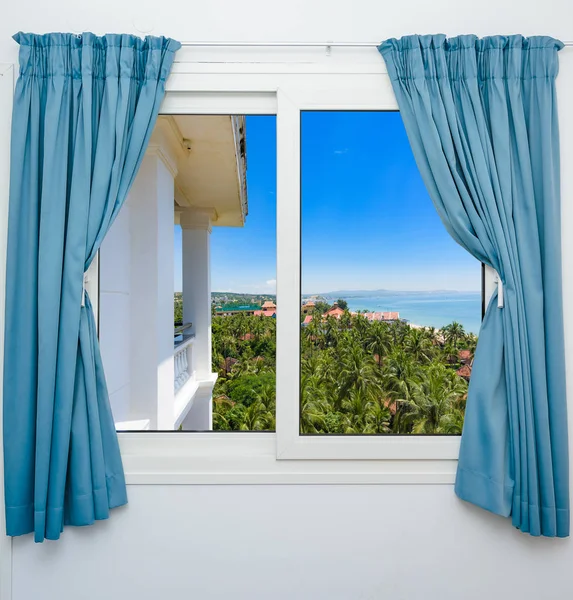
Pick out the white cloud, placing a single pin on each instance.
(342, 151)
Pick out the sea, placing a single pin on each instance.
(429, 309)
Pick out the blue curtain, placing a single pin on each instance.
(481, 117)
(84, 110)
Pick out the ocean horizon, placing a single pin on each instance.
(429, 309)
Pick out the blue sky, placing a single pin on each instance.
(367, 220)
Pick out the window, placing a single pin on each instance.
(304, 133)
(284, 93)
(390, 305)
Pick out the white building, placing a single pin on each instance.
(194, 175)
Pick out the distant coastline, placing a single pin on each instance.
(435, 308)
(384, 292)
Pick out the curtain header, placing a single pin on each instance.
(111, 55)
(468, 57)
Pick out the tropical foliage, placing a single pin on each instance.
(244, 356)
(178, 309)
(357, 377)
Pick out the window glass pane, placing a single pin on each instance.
(390, 304)
(187, 295)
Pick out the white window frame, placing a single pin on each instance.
(285, 89)
(343, 95)
(291, 444)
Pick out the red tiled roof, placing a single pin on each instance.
(307, 319)
(464, 354)
(269, 304)
(465, 372)
(382, 316)
(266, 313)
(391, 405)
(335, 312)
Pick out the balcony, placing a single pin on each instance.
(192, 406)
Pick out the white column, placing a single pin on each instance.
(196, 242)
(151, 291)
(114, 313)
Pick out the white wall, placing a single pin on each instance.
(295, 543)
(359, 20)
(307, 542)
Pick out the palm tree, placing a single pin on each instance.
(267, 395)
(239, 325)
(398, 332)
(378, 419)
(255, 417)
(378, 341)
(330, 331)
(452, 423)
(356, 408)
(312, 404)
(400, 375)
(418, 345)
(219, 364)
(453, 333)
(313, 334)
(221, 406)
(360, 326)
(450, 353)
(356, 372)
(434, 397)
(470, 342)
(226, 345)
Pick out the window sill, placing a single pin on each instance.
(250, 458)
(139, 425)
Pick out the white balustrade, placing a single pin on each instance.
(183, 367)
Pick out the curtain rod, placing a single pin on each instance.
(298, 44)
